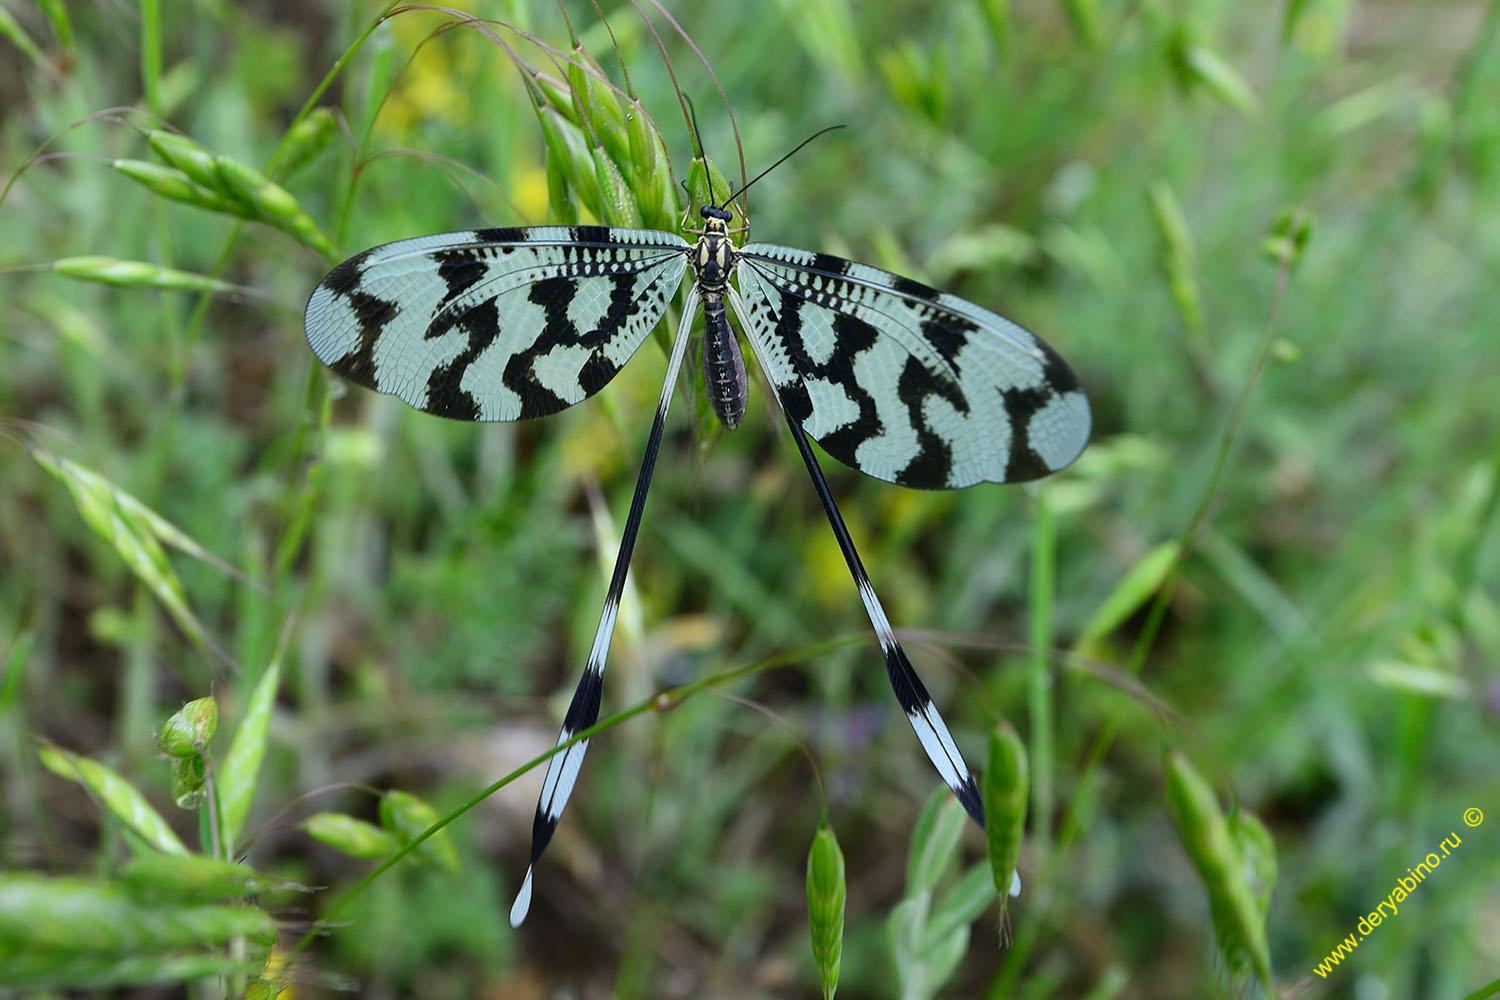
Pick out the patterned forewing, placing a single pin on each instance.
(906, 383)
(495, 324)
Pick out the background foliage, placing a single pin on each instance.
(417, 595)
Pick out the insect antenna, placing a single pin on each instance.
(788, 156)
(697, 137)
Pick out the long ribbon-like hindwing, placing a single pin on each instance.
(909, 690)
(583, 711)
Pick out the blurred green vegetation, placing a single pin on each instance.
(1326, 651)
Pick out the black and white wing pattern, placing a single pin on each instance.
(896, 379)
(495, 324)
(904, 382)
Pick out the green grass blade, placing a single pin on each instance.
(1134, 589)
(57, 16)
(1085, 20)
(826, 30)
(961, 903)
(118, 796)
(151, 54)
(11, 29)
(904, 941)
(239, 773)
(1198, 66)
(934, 842)
(1039, 689)
(116, 518)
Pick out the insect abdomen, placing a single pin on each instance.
(723, 364)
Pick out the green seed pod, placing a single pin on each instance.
(559, 161)
(601, 117)
(186, 155)
(407, 816)
(1178, 258)
(191, 879)
(189, 781)
(243, 183)
(175, 185)
(557, 96)
(648, 164)
(132, 530)
(1259, 853)
(249, 185)
(1239, 927)
(617, 203)
(707, 185)
(307, 139)
(565, 143)
(271, 203)
(354, 837)
(826, 892)
(1289, 236)
(671, 197)
(138, 274)
(190, 728)
(1005, 791)
(208, 925)
(560, 206)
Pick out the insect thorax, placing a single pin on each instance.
(713, 254)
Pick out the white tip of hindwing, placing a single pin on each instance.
(522, 905)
